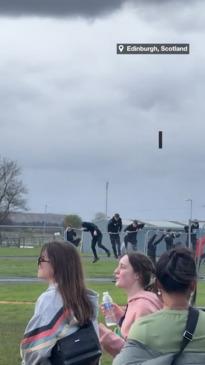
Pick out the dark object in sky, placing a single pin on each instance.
(160, 139)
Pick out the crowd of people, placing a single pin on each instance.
(114, 228)
(150, 327)
(130, 239)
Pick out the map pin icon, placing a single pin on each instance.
(121, 47)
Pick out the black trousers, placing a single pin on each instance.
(132, 241)
(75, 241)
(116, 244)
(97, 240)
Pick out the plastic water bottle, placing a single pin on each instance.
(107, 301)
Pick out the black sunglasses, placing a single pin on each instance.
(41, 259)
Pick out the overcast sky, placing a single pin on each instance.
(74, 114)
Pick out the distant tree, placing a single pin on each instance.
(99, 216)
(73, 219)
(12, 190)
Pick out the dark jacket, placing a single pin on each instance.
(132, 231)
(91, 227)
(169, 239)
(152, 244)
(70, 235)
(114, 226)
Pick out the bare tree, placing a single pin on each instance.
(12, 190)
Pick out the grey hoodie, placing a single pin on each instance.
(49, 323)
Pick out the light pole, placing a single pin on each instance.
(190, 200)
(45, 219)
(106, 197)
(190, 222)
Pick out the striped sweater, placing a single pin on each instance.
(49, 323)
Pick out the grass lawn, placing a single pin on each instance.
(27, 267)
(15, 251)
(201, 294)
(15, 314)
(21, 297)
(14, 317)
(12, 323)
(22, 262)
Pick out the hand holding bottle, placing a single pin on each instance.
(118, 310)
(108, 310)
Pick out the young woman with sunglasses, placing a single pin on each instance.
(62, 307)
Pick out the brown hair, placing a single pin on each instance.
(68, 274)
(143, 266)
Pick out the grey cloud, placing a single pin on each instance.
(174, 15)
(63, 8)
(58, 8)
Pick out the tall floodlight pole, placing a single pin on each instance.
(106, 197)
(190, 222)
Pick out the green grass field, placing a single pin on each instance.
(17, 300)
(14, 317)
(27, 268)
(15, 262)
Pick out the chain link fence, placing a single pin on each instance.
(28, 236)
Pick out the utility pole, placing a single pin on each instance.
(190, 223)
(45, 219)
(106, 197)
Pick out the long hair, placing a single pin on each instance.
(68, 274)
(143, 266)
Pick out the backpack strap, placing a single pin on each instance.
(192, 319)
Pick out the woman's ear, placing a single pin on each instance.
(138, 277)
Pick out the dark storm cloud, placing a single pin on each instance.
(62, 8)
(57, 8)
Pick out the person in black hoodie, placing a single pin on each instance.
(194, 230)
(70, 236)
(96, 238)
(131, 235)
(169, 239)
(152, 246)
(114, 228)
